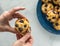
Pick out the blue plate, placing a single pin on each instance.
(43, 21)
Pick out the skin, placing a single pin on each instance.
(26, 40)
(7, 16)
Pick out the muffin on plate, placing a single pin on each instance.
(57, 2)
(46, 1)
(52, 16)
(56, 25)
(47, 7)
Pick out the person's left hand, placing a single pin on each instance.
(7, 16)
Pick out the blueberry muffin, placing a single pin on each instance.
(56, 25)
(57, 2)
(46, 1)
(22, 26)
(59, 11)
(52, 16)
(47, 7)
(57, 8)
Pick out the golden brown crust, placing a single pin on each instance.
(57, 24)
(22, 26)
(52, 16)
(46, 1)
(57, 2)
(47, 7)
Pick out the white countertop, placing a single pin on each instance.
(40, 35)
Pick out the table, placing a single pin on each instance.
(40, 35)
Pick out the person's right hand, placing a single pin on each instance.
(26, 40)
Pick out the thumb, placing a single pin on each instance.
(10, 29)
(25, 38)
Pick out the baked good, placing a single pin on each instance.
(56, 25)
(50, 7)
(57, 2)
(57, 8)
(47, 7)
(52, 16)
(59, 11)
(22, 26)
(52, 10)
(46, 1)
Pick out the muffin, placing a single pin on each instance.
(22, 26)
(56, 2)
(52, 16)
(56, 25)
(46, 1)
(47, 7)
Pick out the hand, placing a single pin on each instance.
(7, 16)
(26, 40)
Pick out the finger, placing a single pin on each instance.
(18, 36)
(7, 15)
(12, 11)
(10, 29)
(18, 15)
(25, 38)
(1, 29)
(31, 40)
(29, 43)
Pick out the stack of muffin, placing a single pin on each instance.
(52, 10)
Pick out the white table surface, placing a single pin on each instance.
(40, 35)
